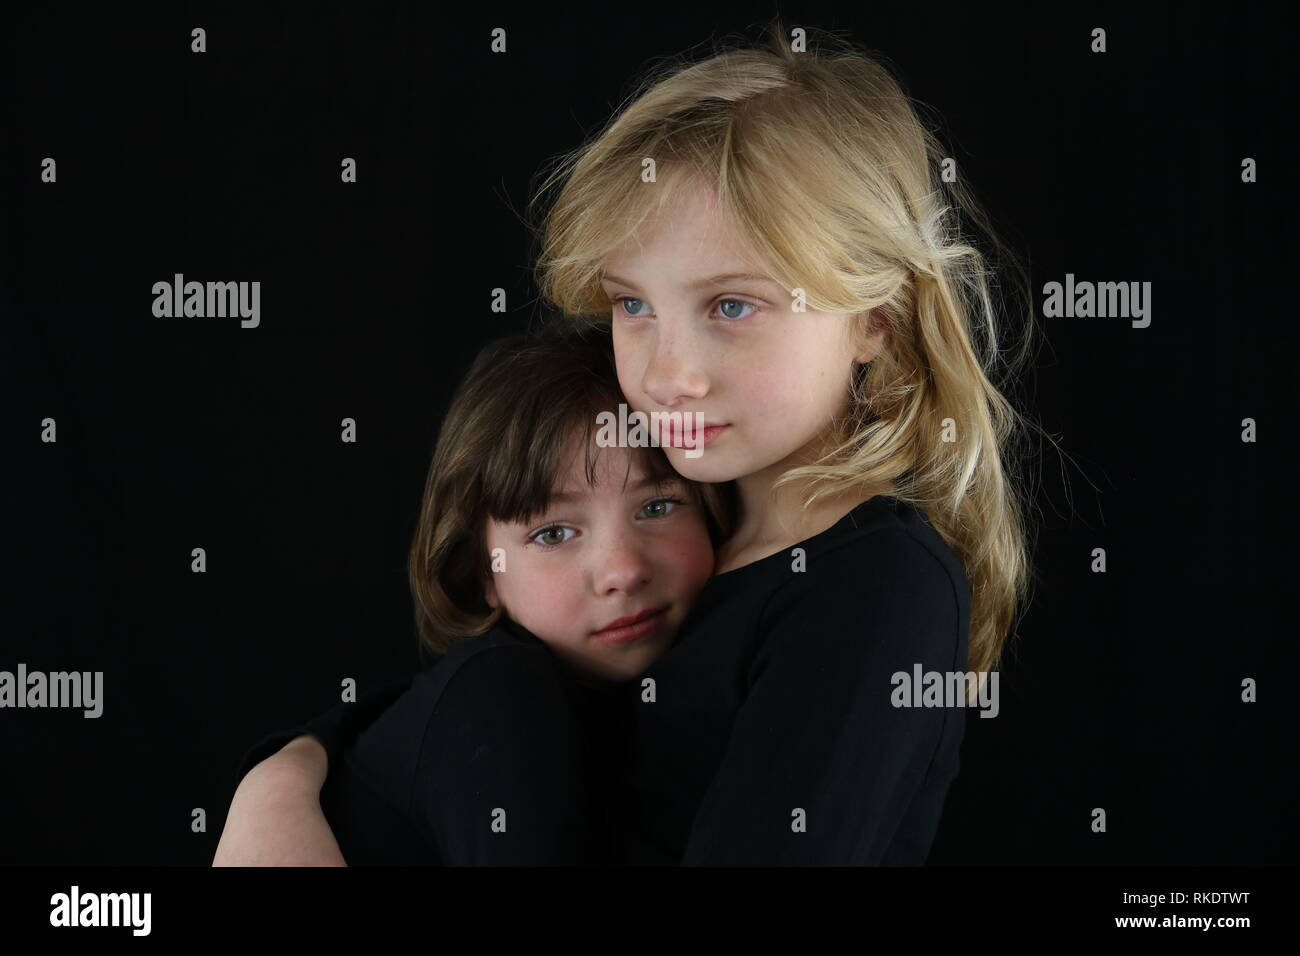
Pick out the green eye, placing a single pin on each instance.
(541, 537)
(665, 503)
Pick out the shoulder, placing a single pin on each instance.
(496, 673)
(884, 544)
(888, 584)
(497, 645)
(887, 528)
(494, 706)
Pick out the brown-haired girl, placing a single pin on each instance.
(546, 570)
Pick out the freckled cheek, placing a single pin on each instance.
(786, 388)
(546, 599)
(764, 398)
(762, 377)
(628, 364)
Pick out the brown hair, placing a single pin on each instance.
(499, 453)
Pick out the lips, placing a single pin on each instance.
(634, 619)
(622, 634)
(677, 436)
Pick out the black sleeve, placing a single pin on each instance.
(335, 729)
(506, 774)
(817, 737)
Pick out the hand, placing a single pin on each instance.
(275, 816)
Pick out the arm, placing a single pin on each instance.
(275, 817)
(817, 732)
(506, 774)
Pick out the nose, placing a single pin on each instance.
(676, 368)
(621, 567)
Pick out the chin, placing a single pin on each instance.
(636, 665)
(620, 674)
(708, 468)
(607, 672)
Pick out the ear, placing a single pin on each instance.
(872, 337)
(490, 591)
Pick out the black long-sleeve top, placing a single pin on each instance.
(489, 757)
(769, 734)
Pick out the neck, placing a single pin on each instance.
(772, 519)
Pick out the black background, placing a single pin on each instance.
(1121, 690)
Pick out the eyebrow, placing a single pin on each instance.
(567, 496)
(702, 283)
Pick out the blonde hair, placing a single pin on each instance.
(821, 160)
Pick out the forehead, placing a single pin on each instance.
(690, 234)
(615, 472)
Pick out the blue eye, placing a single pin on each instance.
(624, 300)
(631, 307)
(724, 302)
